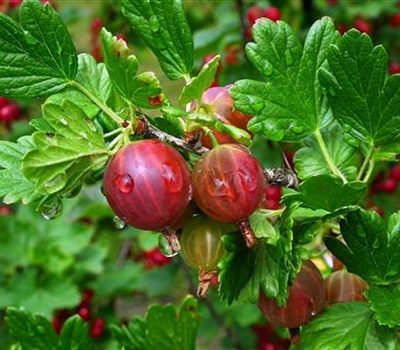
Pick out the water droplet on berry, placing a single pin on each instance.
(268, 68)
(51, 209)
(154, 23)
(118, 223)
(256, 104)
(172, 177)
(224, 187)
(164, 247)
(313, 313)
(124, 183)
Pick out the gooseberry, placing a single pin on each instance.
(306, 299)
(147, 185)
(202, 247)
(344, 286)
(228, 184)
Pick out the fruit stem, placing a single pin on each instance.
(294, 336)
(247, 232)
(170, 235)
(327, 156)
(147, 130)
(205, 278)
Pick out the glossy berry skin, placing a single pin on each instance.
(306, 299)
(343, 286)
(147, 184)
(228, 183)
(201, 244)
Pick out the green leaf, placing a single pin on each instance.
(346, 326)
(327, 192)
(33, 332)
(41, 294)
(163, 27)
(288, 104)
(68, 154)
(164, 327)
(75, 335)
(363, 98)
(262, 227)
(310, 161)
(371, 251)
(385, 302)
(244, 272)
(14, 186)
(93, 77)
(197, 85)
(39, 54)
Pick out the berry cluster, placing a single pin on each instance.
(256, 12)
(84, 310)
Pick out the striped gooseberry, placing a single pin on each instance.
(343, 286)
(306, 299)
(147, 185)
(228, 185)
(202, 247)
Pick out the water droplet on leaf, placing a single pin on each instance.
(51, 209)
(331, 91)
(297, 129)
(118, 223)
(346, 127)
(165, 247)
(124, 183)
(346, 54)
(268, 68)
(154, 23)
(55, 183)
(289, 58)
(31, 40)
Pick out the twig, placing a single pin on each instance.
(281, 176)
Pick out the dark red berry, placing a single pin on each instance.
(96, 25)
(228, 183)
(87, 296)
(306, 299)
(388, 185)
(3, 101)
(395, 172)
(395, 20)
(273, 192)
(97, 328)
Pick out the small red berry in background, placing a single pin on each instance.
(394, 67)
(95, 28)
(362, 25)
(395, 172)
(97, 328)
(272, 13)
(388, 185)
(232, 55)
(394, 21)
(154, 257)
(342, 28)
(254, 13)
(85, 313)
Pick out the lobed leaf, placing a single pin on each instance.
(37, 57)
(363, 99)
(371, 250)
(163, 27)
(288, 103)
(345, 326)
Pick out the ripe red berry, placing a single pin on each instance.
(362, 25)
(388, 185)
(147, 184)
(87, 296)
(343, 286)
(154, 257)
(97, 328)
(96, 25)
(395, 172)
(272, 13)
(394, 21)
(9, 112)
(228, 183)
(3, 101)
(394, 67)
(253, 13)
(273, 192)
(85, 313)
(306, 299)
